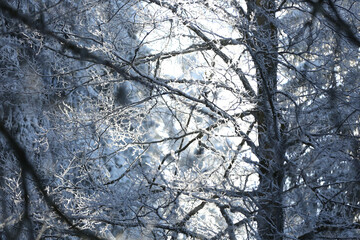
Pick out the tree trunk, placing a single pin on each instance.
(264, 41)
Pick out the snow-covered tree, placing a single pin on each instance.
(179, 119)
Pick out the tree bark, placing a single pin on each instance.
(264, 42)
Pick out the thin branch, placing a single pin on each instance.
(211, 43)
(26, 167)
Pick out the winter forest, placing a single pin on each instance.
(180, 119)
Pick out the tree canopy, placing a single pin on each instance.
(154, 119)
